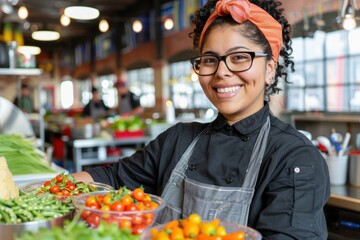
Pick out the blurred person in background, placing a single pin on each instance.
(25, 102)
(96, 107)
(128, 102)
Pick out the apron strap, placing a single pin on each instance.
(252, 172)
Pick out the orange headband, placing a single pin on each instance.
(242, 10)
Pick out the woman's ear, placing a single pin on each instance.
(270, 71)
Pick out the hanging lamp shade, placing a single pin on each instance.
(81, 12)
(45, 35)
(32, 50)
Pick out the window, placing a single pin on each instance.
(67, 94)
(108, 93)
(141, 82)
(327, 75)
(185, 89)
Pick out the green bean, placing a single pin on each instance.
(7, 203)
(5, 216)
(25, 213)
(8, 212)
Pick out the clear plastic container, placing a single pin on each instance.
(251, 234)
(140, 220)
(36, 186)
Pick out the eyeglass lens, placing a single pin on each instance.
(208, 64)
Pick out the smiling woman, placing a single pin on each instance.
(246, 166)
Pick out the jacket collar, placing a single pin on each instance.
(246, 125)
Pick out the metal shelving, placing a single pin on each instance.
(21, 72)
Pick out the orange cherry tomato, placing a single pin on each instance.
(172, 224)
(90, 201)
(125, 223)
(190, 229)
(126, 200)
(207, 228)
(138, 194)
(194, 218)
(240, 235)
(107, 199)
(221, 231)
(177, 234)
(206, 237)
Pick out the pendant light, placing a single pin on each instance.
(23, 13)
(81, 12)
(45, 35)
(137, 26)
(65, 20)
(103, 25)
(347, 18)
(32, 50)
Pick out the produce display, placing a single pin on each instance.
(8, 189)
(80, 231)
(32, 207)
(193, 228)
(128, 209)
(22, 157)
(131, 124)
(64, 185)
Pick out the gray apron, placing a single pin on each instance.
(184, 196)
(97, 113)
(125, 104)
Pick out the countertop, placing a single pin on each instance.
(345, 196)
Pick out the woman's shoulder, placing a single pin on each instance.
(286, 135)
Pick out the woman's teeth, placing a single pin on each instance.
(228, 89)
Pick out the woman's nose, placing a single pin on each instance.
(223, 70)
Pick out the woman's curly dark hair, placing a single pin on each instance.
(253, 34)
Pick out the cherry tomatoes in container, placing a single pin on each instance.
(120, 206)
(194, 228)
(64, 186)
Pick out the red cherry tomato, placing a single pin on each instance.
(93, 220)
(136, 219)
(54, 189)
(131, 207)
(138, 229)
(47, 183)
(59, 178)
(117, 206)
(71, 186)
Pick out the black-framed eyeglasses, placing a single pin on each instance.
(208, 64)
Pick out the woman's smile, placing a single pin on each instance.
(224, 92)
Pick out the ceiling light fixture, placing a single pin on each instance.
(137, 26)
(6, 8)
(32, 50)
(65, 20)
(23, 12)
(81, 12)
(347, 18)
(103, 25)
(168, 24)
(45, 35)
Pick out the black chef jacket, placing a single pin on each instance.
(293, 182)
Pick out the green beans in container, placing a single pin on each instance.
(31, 212)
(22, 156)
